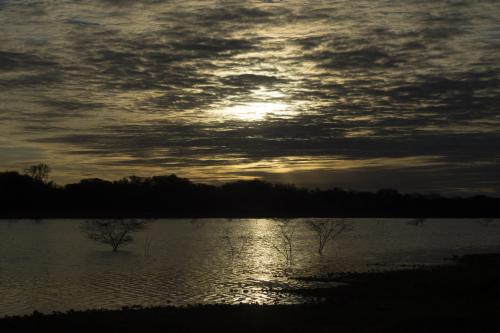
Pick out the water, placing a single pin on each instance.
(49, 265)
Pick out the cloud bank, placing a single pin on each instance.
(367, 95)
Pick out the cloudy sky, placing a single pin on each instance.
(358, 94)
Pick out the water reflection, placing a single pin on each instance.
(51, 266)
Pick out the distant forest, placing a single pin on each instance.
(30, 195)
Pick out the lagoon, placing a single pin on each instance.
(49, 265)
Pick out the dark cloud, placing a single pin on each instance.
(250, 80)
(239, 14)
(72, 105)
(80, 22)
(211, 46)
(370, 57)
(270, 140)
(440, 179)
(27, 81)
(26, 70)
(17, 60)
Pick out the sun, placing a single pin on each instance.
(258, 105)
(254, 111)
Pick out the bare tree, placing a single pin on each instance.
(197, 223)
(326, 231)
(284, 245)
(148, 242)
(39, 172)
(485, 222)
(235, 244)
(417, 222)
(114, 232)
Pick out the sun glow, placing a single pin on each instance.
(260, 104)
(255, 110)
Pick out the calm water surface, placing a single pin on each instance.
(50, 266)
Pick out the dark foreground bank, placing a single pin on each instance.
(464, 297)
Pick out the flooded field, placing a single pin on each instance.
(50, 265)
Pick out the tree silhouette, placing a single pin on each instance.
(39, 172)
(114, 232)
(486, 222)
(417, 222)
(29, 195)
(326, 230)
(284, 245)
(234, 244)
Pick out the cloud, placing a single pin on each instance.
(370, 57)
(20, 70)
(16, 60)
(143, 84)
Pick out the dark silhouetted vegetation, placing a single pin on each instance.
(39, 172)
(234, 244)
(30, 196)
(417, 222)
(326, 231)
(113, 232)
(284, 244)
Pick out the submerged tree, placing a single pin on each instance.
(234, 244)
(39, 172)
(114, 232)
(284, 244)
(326, 231)
(197, 223)
(417, 222)
(485, 222)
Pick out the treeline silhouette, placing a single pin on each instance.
(24, 196)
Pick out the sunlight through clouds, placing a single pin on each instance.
(156, 84)
(255, 111)
(259, 105)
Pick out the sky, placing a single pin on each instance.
(362, 94)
